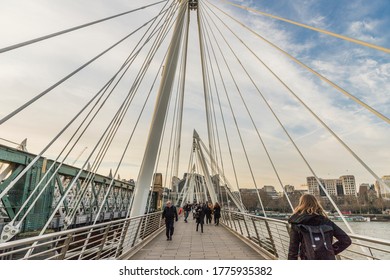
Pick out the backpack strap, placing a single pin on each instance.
(312, 238)
(323, 236)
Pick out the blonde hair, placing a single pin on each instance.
(308, 204)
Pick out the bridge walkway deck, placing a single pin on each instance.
(215, 243)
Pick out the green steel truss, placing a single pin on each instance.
(116, 205)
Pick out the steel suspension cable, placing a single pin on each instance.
(131, 201)
(213, 118)
(159, 116)
(323, 78)
(129, 209)
(37, 97)
(247, 109)
(189, 170)
(228, 142)
(321, 122)
(170, 145)
(228, 186)
(180, 17)
(359, 42)
(239, 193)
(216, 130)
(119, 117)
(187, 183)
(214, 162)
(206, 89)
(114, 125)
(128, 61)
(174, 125)
(128, 144)
(230, 105)
(172, 137)
(103, 90)
(211, 111)
(296, 147)
(79, 173)
(29, 42)
(181, 98)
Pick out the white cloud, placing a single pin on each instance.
(365, 30)
(31, 69)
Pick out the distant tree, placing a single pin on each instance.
(266, 199)
(372, 203)
(294, 198)
(250, 201)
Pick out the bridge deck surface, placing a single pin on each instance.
(215, 243)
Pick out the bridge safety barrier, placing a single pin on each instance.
(271, 237)
(109, 240)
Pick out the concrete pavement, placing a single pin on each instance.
(215, 243)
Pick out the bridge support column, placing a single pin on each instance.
(145, 175)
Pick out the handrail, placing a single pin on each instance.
(100, 241)
(118, 238)
(272, 237)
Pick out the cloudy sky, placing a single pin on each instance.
(363, 72)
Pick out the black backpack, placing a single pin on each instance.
(317, 242)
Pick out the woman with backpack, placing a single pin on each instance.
(311, 234)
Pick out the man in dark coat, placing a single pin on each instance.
(187, 209)
(170, 215)
(200, 213)
(208, 212)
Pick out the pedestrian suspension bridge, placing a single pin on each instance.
(140, 117)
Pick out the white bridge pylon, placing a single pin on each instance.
(140, 197)
(229, 83)
(199, 185)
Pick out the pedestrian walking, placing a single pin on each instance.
(208, 213)
(199, 215)
(170, 215)
(217, 213)
(187, 209)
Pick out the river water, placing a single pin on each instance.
(373, 229)
(380, 230)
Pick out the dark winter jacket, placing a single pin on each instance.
(200, 213)
(208, 211)
(296, 249)
(170, 213)
(187, 207)
(217, 212)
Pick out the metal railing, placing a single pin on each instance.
(271, 236)
(111, 240)
(120, 238)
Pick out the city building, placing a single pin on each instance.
(349, 184)
(157, 194)
(383, 191)
(289, 189)
(345, 185)
(363, 189)
(271, 192)
(313, 186)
